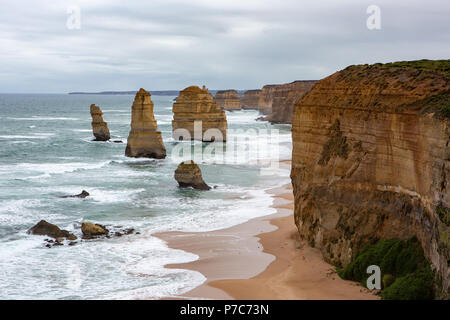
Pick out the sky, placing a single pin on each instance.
(47, 47)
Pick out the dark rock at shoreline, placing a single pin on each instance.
(43, 228)
(82, 195)
(91, 230)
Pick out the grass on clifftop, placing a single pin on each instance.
(441, 66)
(406, 274)
(438, 103)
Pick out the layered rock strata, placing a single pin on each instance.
(188, 174)
(228, 100)
(284, 98)
(197, 117)
(250, 99)
(371, 160)
(99, 127)
(144, 139)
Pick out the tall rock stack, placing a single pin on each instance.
(144, 140)
(194, 109)
(371, 159)
(284, 97)
(228, 100)
(99, 127)
(250, 99)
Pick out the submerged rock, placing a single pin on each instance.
(197, 117)
(43, 228)
(144, 139)
(99, 127)
(82, 195)
(91, 230)
(188, 174)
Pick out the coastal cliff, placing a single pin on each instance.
(284, 98)
(144, 139)
(228, 100)
(195, 108)
(250, 99)
(371, 159)
(266, 98)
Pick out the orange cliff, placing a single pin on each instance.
(228, 100)
(250, 99)
(196, 116)
(371, 159)
(144, 139)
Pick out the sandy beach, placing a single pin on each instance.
(263, 258)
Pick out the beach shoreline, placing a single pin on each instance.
(263, 258)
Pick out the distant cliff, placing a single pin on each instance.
(228, 100)
(284, 98)
(371, 159)
(250, 99)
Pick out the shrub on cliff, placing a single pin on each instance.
(412, 277)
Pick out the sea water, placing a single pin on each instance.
(46, 151)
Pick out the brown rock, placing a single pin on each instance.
(144, 139)
(371, 159)
(250, 99)
(99, 127)
(228, 100)
(43, 228)
(82, 195)
(195, 108)
(188, 174)
(91, 230)
(284, 98)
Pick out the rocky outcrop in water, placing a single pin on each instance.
(284, 98)
(144, 139)
(91, 230)
(188, 174)
(99, 127)
(228, 100)
(43, 228)
(197, 117)
(371, 160)
(82, 195)
(250, 99)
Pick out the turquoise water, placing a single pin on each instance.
(46, 150)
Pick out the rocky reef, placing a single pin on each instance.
(99, 127)
(228, 100)
(284, 98)
(188, 174)
(250, 99)
(371, 159)
(197, 117)
(144, 139)
(43, 228)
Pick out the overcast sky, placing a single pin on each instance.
(171, 44)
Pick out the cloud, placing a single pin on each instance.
(171, 44)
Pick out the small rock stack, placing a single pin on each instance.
(188, 174)
(99, 127)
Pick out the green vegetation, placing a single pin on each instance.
(335, 146)
(438, 103)
(444, 214)
(406, 273)
(441, 66)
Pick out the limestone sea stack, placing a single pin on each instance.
(99, 127)
(188, 174)
(250, 99)
(371, 159)
(197, 117)
(144, 139)
(284, 98)
(228, 100)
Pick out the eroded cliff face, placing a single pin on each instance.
(284, 98)
(144, 139)
(196, 116)
(266, 98)
(250, 99)
(370, 161)
(228, 100)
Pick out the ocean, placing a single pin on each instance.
(46, 151)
